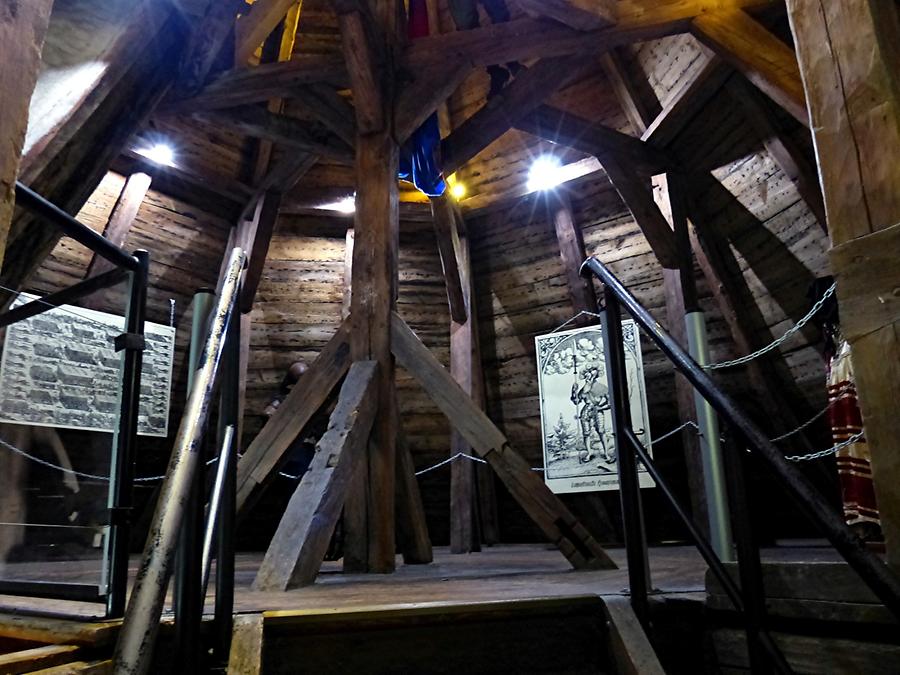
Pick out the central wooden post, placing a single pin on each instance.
(368, 40)
(374, 297)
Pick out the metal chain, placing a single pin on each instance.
(825, 453)
(790, 332)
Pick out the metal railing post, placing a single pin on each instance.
(188, 595)
(228, 418)
(125, 438)
(134, 649)
(629, 486)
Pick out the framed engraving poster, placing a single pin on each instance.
(60, 369)
(576, 420)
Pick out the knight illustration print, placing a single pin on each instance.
(576, 413)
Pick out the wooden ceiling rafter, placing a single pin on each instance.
(578, 14)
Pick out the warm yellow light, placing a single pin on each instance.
(458, 190)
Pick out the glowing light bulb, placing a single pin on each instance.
(545, 173)
(458, 190)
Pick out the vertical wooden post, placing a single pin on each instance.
(22, 29)
(121, 218)
(680, 290)
(347, 293)
(571, 250)
(850, 63)
(374, 290)
(464, 536)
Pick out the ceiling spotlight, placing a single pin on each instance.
(160, 153)
(345, 205)
(545, 173)
(458, 190)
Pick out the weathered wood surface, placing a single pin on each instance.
(548, 513)
(762, 57)
(413, 539)
(629, 647)
(121, 218)
(572, 255)
(578, 14)
(38, 658)
(22, 35)
(449, 248)
(595, 139)
(247, 645)
(855, 137)
(207, 39)
(526, 92)
(266, 451)
(256, 243)
(262, 123)
(301, 541)
(253, 27)
(523, 39)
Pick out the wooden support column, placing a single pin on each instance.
(571, 251)
(464, 516)
(347, 292)
(680, 290)
(368, 37)
(848, 54)
(22, 30)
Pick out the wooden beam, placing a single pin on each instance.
(347, 292)
(259, 122)
(67, 169)
(635, 192)
(763, 58)
(577, 14)
(247, 644)
(208, 36)
(254, 26)
(680, 290)
(266, 451)
(566, 129)
(630, 98)
(520, 97)
(22, 30)
(241, 86)
(363, 66)
(280, 178)
(684, 104)
(422, 97)
(40, 659)
(784, 149)
(121, 218)
(544, 508)
(464, 512)
(264, 221)
(296, 552)
(525, 39)
(572, 254)
(769, 376)
(412, 530)
(850, 64)
(330, 109)
(448, 246)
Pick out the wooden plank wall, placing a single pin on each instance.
(298, 308)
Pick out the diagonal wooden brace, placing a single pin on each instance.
(265, 452)
(544, 507)
(299, 545)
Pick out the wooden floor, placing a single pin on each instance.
(505, 572)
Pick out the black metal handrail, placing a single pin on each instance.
(135, 269)
(31, 200)
(749, 598)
